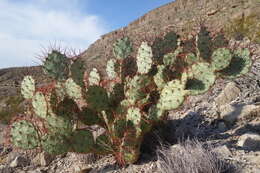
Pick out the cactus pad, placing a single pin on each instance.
(60, 124)
(39, 104)
(169, 59)
(94, 77)
(111, 68)
(204, 44)
(201, 78)
(89, 117)
(97, 98)
(24, 135)
(28, 87)
(172, 95)
(191, 58)
(122, 48)
(134, 115)
(55, 144)
(56, 65)
(144, 58)
(77, 72)
(221, 58)
(159, 78)
(240, 64)
(163, 46)
(72, 89)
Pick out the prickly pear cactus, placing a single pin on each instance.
(137, 94)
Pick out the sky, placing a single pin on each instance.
(29, 27)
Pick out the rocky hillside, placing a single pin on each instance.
(227, 118)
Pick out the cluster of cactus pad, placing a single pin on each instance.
(127, 103)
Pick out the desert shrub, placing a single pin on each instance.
(192, 156)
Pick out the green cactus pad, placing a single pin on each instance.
(111, 68)
(144, 58)
(204, 44)
(28, 87)
(97, 98)
(201, 78)
(220, 59)
(66, 107)
(94, 77)
(163, 46)
(172, 95)
(133, 88)
(169, 59)
(78, 69)
(56, 65)
(55, 144)
(191, 58)
(89, 117)
(122, 48)
(60, 91)
(134, 115)
(158, 78)
(72, 89)
(24, 135)
(60, 124)
(82, 141)
(240, 64)
(39, 104)
(117, 94)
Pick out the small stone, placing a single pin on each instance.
(223, 151)
(249, 141)
(232, 113)
(43, 159)
(19, 161)
(230, 92)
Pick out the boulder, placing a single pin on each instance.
(232, 113)
(249, 141)
(229, 93)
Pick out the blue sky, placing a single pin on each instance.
(29, 26)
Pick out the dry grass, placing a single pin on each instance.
(191, 157)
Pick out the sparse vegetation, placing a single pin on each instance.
(192, 156)
(12, 106)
